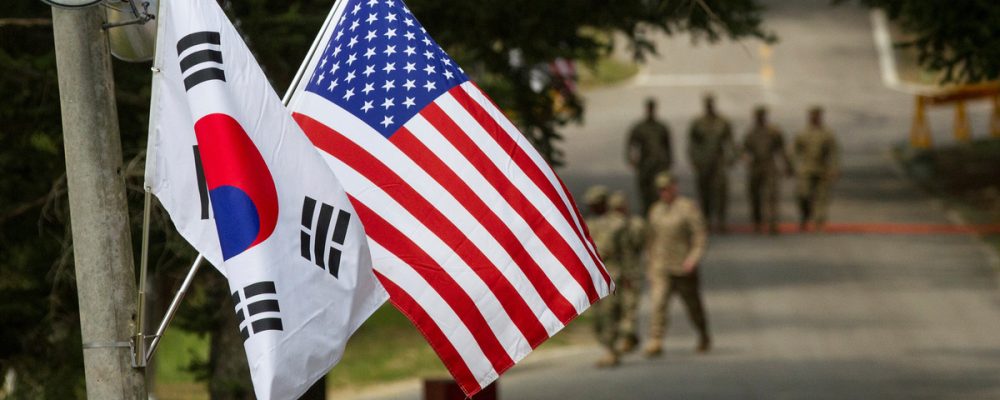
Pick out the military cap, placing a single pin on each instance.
(617, 199)
(596, 194)
(663, 179)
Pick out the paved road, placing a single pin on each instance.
(797, 316)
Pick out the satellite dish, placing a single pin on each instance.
(71, 3)
(132, 42)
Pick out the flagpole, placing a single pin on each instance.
(312, 51)
(174, 305)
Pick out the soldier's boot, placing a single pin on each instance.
(653, 349)
(610, 359)
(704, 344)
(628, 343)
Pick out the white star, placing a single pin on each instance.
(369, 69)
(408, 22)
(368, 87)
(389, 67)
(391, 17)
(354, 25)
(386, 121)
(357, 7)
(352, 58)
(429, 69)
(409, 35)
(390, 33)
(354, 41)
(335, 67)
(389, 85)
(340, 34)
(322, 63)
(372, 3)
(389, 50)
(333, 85)
(430, 86)
(426, 40)
(410, 67)
(369, 53)
(350, 77)
(336, 51)
(446, 61)
(448, 74)
(409, 84)
(348, 94)
(409, 102)
(390, 3)
(388, 103)
(410, 50)
(367, 106)
(371, 18)
(370, 36)
(406, 9)
(428, 54)
(319, 80)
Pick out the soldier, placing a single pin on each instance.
(763, 145)
(712, 150)
(630, 283)
(817, 157)
(648, 152)
(608, 231)
(676, 242)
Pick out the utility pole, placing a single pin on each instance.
(102, 243)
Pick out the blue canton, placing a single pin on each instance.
(381, 65)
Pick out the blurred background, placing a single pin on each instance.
(898, 298)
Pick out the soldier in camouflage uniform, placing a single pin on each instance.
(608, 231)
(712, 151)
(763, 146)
(817, 157)
(630, 283)
(677, 237)
(648, 152)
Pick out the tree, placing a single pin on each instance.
(959, 38)
(40, 335)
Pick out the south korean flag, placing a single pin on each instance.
(245, 186)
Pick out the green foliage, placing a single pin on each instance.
(39, 336)
(960, 38)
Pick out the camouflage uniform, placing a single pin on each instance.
(762, 145)
(711, 150)
(649, 151)
(608, 231)
(632, 278)
(676, 232)
(817, 164)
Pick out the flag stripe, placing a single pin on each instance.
(521, 158)
(435, 336)
(381, 176)
(395, 242)
(486, 166)
(534, 239)
(422, 155)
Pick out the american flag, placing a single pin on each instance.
(473, 235)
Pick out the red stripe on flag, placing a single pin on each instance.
(448, 179)
(387, 236)
(396, 187)
(430, 329)
(543, 228)
(526, 165)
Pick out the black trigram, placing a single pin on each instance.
(205, 60)
(259, 300)
(199, 171)
(314, 234)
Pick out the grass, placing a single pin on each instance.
(385, 349)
